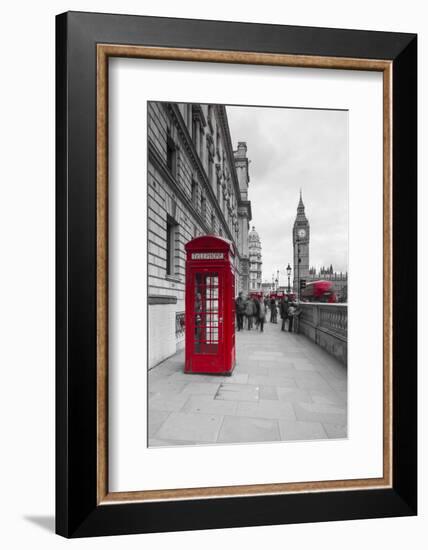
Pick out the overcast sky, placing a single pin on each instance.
(289, 150)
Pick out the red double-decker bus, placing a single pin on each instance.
(255, 295)
(319, 291)
(279, 294)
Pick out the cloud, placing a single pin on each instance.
(289, 150)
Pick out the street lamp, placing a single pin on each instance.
(288, 270)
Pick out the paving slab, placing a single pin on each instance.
(292, 395)
(205, 388)
(192, 378)
(336, 431)
(338, 385)
(343, 394)
(278, 359)
(320, 412)
(268, 392)
(237, 429)
(180, 426)
(167, 385)
(337, 372)
(156, 419)
(153, 442)
(333, 380)
(266, 409)
(167, 402)
(292, 430)
(238, 392)
(251, 369)
(238, 378)
(328, 397)
(305, 375)
(274, 380)
(268, 355)
(209, 405)
(311, 382)
(304, 366)
(158, 374)
(279, 377)
(279, 368)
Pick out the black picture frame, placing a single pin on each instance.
(78, 513)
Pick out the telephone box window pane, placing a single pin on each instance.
(206, 313)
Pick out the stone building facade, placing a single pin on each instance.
(196, 184)
(255, 253)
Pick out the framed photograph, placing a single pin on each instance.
(236, 274)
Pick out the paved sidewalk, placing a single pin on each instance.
(284, 387)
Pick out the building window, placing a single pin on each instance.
(201, 145)
(210, 116)
(204, 207)
(194, 131)
(189, 118)
(171, 156)
(218, 189)
(210, 166)
(213, 223)
(171, 232)
(194, 194)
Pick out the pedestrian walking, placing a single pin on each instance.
(293, 313)
(262, 314)
(240, 311)
(256, 312)
(249, 313)
(273, 311)
(283, 311)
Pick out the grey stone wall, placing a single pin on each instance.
(327, 326)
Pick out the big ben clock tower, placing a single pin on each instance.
(300, 247)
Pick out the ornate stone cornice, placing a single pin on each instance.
(174, 111)
(158, 161)
(224, 124)
(244, 210)
(198, 114)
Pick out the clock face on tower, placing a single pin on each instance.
(301, 233)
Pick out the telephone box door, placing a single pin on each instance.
(207, 324)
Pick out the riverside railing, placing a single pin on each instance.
(327, 326)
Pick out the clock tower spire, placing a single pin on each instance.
(300, 247)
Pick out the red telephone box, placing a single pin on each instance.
(210, 305)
